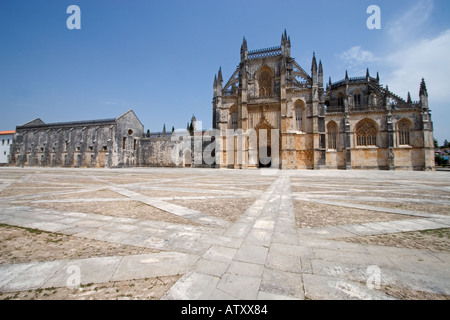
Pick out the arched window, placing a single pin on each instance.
(299, 115)
(403, 132)
(233, 124)
(357, 98)
(340, 100)
(265, 83)
(332, 131)
(366, 133)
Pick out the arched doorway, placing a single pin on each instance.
(264, 143)
(187, 159)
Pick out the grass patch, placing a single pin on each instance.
(443, 233)
(31, 230)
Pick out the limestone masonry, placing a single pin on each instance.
(270, 113)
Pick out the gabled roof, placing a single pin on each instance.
(7, 132)
(39, 124)
(34, 122)
(129, 111)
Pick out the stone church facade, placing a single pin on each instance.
(271, 112)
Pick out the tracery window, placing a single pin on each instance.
(233, 118)
(332, 135)
(403, 133)
(234, 123)
(366, 133)
(265, 84)
(357, 100)
(299, 111)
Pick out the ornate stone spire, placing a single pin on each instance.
(423, 88)
(244, 50)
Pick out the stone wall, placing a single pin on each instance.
(96, 143)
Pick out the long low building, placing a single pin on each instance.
(94, 143)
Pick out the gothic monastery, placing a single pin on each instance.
(270, 113)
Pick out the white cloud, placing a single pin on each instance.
(429, 59)
(409, 25)
(357, 56)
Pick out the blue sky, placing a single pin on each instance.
(159, 58)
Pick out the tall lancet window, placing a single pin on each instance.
(332, 135)
(265, 84)
(233, 118)
(299, 116)
(403, 133)
(234, 122)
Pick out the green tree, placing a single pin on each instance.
(445, 143)
(439, 161)
(148, 133)
(436, 144)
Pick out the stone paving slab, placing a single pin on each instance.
(283, 283)
(193, 286)
(35, 275)
(180, 211)
(319, 287)
(262, 255)
(153, 265)
(239, 287)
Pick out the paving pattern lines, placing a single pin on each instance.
(245, 268)
(262, 255)
(277, 261)
(154, 234)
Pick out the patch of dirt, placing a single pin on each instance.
(25, 191)
(142, 289)
(171, 194)
(229, 209)
(124, 209)
(20, 245)
(411, 206)
(431, 240)
(312, 215)
(403, 293)
(101, 194)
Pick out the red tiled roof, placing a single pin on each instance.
(7, 132)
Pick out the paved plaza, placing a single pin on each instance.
(225, 234)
